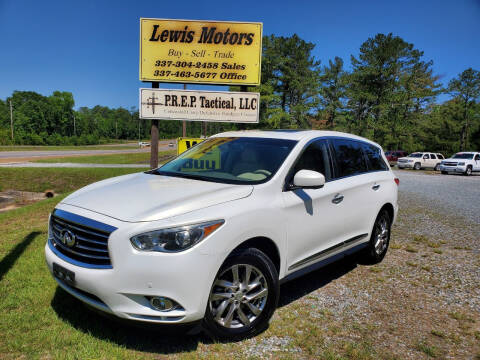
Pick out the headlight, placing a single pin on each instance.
(174, 239)
(410, 160)
(461, 163)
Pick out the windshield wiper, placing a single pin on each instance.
(181, 175)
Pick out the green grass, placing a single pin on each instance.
(61, 147)
(60, 180)
(135, 158)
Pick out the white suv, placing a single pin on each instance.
(462, 162)
(421, 160)
(207, 237)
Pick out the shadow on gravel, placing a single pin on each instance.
(299, 287)
(170, 340)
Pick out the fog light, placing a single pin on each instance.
(162, 303)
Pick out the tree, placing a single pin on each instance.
(290, 76)
(332, 90)
(389, 89)
(465, 88)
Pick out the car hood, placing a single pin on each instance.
(147, 197)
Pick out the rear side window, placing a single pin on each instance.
(315, 157)
(374, 157)
(348, 157)
(440, 156)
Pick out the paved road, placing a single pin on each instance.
(70, 165)
(22, 156)
(454, 193)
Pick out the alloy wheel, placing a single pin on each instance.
(238, 296)
(381, 240)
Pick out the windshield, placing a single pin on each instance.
(462, 156)
(233, 160)
(415, 155)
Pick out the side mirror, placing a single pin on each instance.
(308, 179)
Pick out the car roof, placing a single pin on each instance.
(291, 134)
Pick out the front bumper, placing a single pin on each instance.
(457, 169)
(123, 290)
(405, 165)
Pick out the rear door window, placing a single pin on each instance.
(433, 156)
(349, 157)
(374, 157)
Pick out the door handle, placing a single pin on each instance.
(337, 199)
(376, 187)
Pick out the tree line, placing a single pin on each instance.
(389, 94)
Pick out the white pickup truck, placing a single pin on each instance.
(462, 162)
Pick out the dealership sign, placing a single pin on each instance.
(192, 105)
(209, 52)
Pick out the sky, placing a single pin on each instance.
(91, 48)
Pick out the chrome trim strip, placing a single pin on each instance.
(322, 253)
(83, 221)
(73, 261)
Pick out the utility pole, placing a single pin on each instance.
(74, 129)
(11, 118)
(116, 129)
(184, 123)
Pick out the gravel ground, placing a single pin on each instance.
(456, 194)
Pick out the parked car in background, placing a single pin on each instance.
(462, 162)
(200, 240)
(143, 144)
(393, 156)
(421, 160)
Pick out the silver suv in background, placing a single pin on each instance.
(462, 162)
(421, 160)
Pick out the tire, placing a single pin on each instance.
(375, 252)
(237, 319)
(445, 172)
(417, 166)
(437, 167)
(468, 171)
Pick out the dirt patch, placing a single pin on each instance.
(12, 199)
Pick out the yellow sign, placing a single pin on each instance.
(183, 144)
(209, 52)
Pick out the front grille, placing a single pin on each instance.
(402, 160)
(89, 247)
(450, 163)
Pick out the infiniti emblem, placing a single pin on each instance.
(68, 238)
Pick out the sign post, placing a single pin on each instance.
(154, 138)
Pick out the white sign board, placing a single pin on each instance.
(193, 105)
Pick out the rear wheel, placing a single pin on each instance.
(380, 239)
(468, 171)
(437, 167)
(243, 297)
(417, 166)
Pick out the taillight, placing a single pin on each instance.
(397, 181)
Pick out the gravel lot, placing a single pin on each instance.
(456, 194)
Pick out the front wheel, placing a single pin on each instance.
(468, 171)
(417, 166)
(380, 239)
(243, 296)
